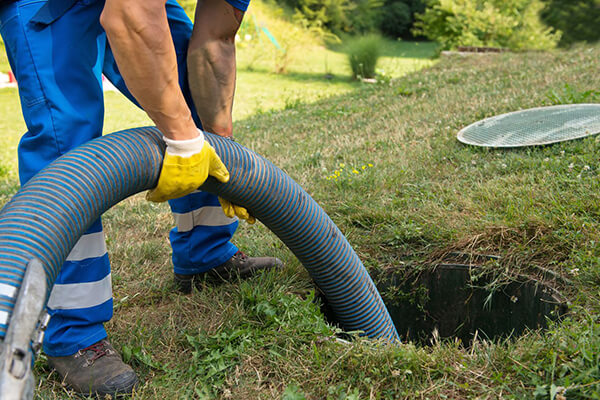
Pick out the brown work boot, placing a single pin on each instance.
(97, 369)
(239, 265)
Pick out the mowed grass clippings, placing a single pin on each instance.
(421, 195)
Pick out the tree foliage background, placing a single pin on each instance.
(512, 24)
(578, 20)
(393, 18)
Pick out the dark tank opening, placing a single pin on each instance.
(450, 301)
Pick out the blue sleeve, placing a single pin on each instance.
(241, 5)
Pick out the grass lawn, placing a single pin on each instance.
(312, 71)
(425, 195)
(320, 73)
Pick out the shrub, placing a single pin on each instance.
(417, 6)
(331, 14)
(513, 24)
(338, 16)
(396, 19)
(364, 15)
(363, 53)
(578, 20)
(358, 16)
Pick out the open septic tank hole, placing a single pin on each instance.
(449, 301)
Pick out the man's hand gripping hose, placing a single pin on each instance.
(233, 210)
(186, 166)
(24, 336)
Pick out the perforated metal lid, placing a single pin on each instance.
(534, 127)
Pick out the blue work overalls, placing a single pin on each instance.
(58, 52)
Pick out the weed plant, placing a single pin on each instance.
(570, 95)
(363, 53)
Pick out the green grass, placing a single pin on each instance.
(311, 70)
(320, 73)
(424, 196)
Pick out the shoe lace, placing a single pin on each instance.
(241, 255)
(98, 349)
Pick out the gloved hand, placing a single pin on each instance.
(232, 210)
(186, 166)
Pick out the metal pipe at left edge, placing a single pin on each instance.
(24, 336)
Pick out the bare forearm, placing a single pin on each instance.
(141, 42)
(211, 63)
(212, 83)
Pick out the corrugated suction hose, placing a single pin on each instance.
(47, 216)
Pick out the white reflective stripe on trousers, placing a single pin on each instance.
(80, 295)
(91, 245)
(204, 216)
(8, 290)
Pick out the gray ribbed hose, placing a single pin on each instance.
(48, 215)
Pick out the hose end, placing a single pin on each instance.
(24, 334)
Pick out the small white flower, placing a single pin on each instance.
(586, 167)
(571, 166)
(247, 37)
(237, 38)
(546, 159)
(504, 165)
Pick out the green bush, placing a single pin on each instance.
(338, 16)
(417, 6)
(393, 18)
(363, 53)
(331, 14)
(578, 20)
(513, 24)
(396, 20)
(364, 16)
(398, 16)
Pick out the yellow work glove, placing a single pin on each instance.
(231, 210)
(186, 166)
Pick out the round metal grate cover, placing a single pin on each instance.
(534, 127)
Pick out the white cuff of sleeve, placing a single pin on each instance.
(185, 148)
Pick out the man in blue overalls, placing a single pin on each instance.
(58, 50)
